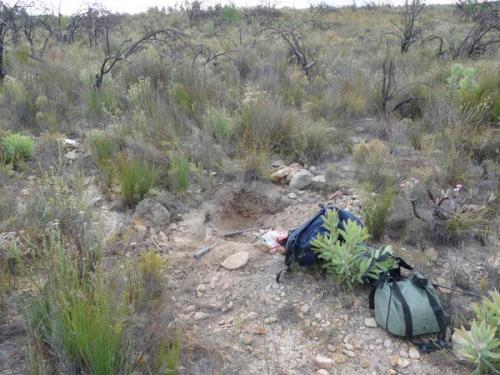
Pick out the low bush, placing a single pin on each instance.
(220, 125)
(78, 314)
(481, 344)
(16, 149)
(84, 312)
(374, 164)
(178, 174)
(136, 178)
(376, 210)
(348, 261)
(104, 149)
(151, 267)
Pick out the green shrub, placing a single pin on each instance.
(185, 98)
(178, 174)
(376, 212)
(136, 178)
(104, 149)
(267, 126)
(167, 357)
(78, 313)
(99, 103)
(220, 124)
(374, 164)
(348, 261)
(19, 104)
(151, 267)
(481, 344)
(230, 14)
(462, 78)
(16, 149)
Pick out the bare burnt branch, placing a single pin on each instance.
(295, 44)
(482, 37)
(129, 47)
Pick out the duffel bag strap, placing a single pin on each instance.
(440, 343)
(406, 310)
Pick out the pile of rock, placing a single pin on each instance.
(297, 177)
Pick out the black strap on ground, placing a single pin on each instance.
(278, 275)
(406, 310)
(436, 307)
(432, 345)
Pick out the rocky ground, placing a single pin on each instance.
(241, 321)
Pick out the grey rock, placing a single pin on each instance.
(72, 155)
(152, 212)
(301, 179)
(319, 182)
(200, 315)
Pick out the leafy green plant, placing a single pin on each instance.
(481, 344)
(349, 261)
(16, 148)
(462, 78)
(136, 178)
(480, 347)
(376, 211)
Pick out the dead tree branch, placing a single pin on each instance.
(483, 36)
(129, 47)
(295, 44)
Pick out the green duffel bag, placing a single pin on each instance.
(408, 307)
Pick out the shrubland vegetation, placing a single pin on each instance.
(161, 98)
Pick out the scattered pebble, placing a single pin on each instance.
(370, 322)
(200, 315)
(414, 353)
(387, 343)
(292, 196)
(365, 363)
(323, 362)
(403, 362)
(349, 353)
(394, 360)
(252, 315)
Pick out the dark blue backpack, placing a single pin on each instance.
(298, 245)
